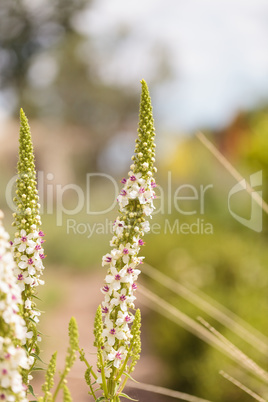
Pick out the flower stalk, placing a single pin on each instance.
(28, 243)
(117, 326)
(13, 357)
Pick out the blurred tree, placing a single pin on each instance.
(50, 69)
(27, 29)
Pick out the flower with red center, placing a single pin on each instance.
(128, 318)
(118, 355)
(20, 277)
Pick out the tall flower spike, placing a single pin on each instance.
(13, 357)
(28, 244)
(118, 352)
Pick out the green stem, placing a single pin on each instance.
(115, 399)
(125, 362)
(59, 385)
(122, 386)
(103, 376)
(92, 392)
(83, 359)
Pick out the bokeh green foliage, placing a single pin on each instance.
(230, 266)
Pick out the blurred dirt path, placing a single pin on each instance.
(78, 294)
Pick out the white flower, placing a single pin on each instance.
(123, 318)
(131, 274)
(12, 357)
(122, 299)
(122, 201)
(109, 332)
(115, 278)
(28, 304)
(26, 262)
(145, 226)
(126, 251)
(23, 278)
(111, 258)
(107, 373)
(117, 356)
(29, 335)
(118, 227)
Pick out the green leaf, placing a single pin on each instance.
(128, 397)
(30, 388)
(38, 369)
(131, 378)
(37, 357)
(101, 398)
(36, 297)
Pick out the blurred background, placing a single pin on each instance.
(74, 66)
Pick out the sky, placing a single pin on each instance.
(215, 52)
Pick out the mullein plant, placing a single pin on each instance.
(117, 322)
(28, 243)
(13, 357)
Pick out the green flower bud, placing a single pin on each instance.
(73, 334)
(136, 340)
(98, 328)
(50, 375)
(66, 394)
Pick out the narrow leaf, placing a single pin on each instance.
(37, 357)
(128, 397)
(30, 388)
(131, 378)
